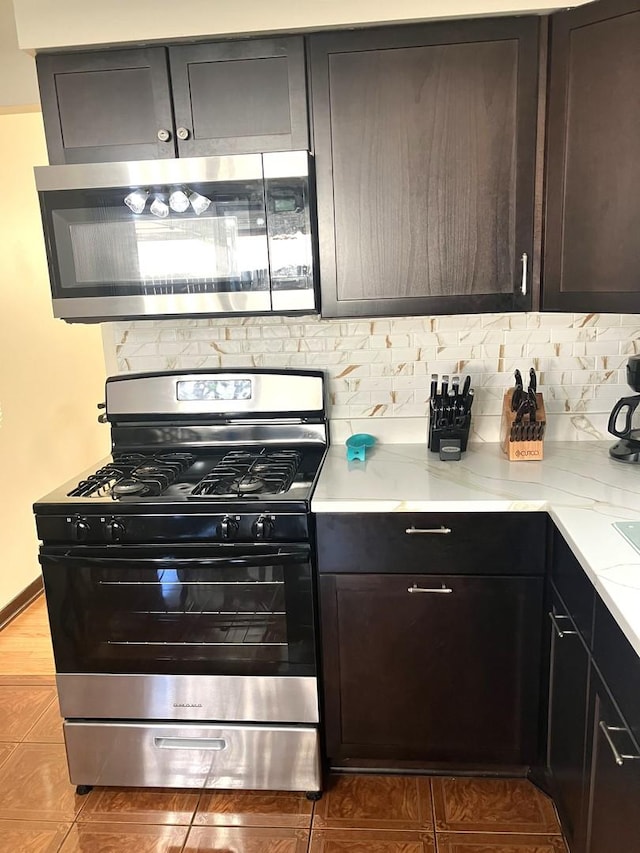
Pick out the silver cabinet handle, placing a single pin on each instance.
(183, 133)
(525, 267)
(215, 743)
(559, 631)
(619, 758)
(164, 135)
(441, 529)
(442, 591)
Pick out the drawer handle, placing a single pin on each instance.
(441, 529)
(214, 743)
(619, 758)
(559, 631)
(444, 590)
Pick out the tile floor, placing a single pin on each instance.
(41, 813)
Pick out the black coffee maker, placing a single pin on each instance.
(621, 419)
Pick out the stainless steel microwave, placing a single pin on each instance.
(191, 236)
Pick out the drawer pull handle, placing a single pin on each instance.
(619, 758)
(444, 590)
(214, 743)
(413, 530)
(559, 631)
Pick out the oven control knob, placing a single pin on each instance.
(80, 529)
(114, 530)
(228, 527)
(263, 527)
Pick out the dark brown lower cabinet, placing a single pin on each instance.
(431, 668)
(567, 731)
(614, 819)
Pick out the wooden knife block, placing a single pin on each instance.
(520, 451)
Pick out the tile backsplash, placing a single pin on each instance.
(379, 369)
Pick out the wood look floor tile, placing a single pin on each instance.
(124, 838)
(492, 805)
(34, 784)
(5, 751)
(227, 839)
(375, 802)
(19, 836)
(48, 727)
(254, 808)
(471, 842)
(140, 805)
(20, 707)
(25, 643)
(370, 841)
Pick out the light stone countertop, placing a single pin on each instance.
(577, 483)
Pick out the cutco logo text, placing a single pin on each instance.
(527, 453)
(186, 705)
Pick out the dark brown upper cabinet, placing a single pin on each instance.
(592, 250)
(106, 105)
(187, 100)
(425, 146)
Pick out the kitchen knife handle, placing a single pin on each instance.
(443, 590)
(525, 268)
(441, 529)
(559, 631)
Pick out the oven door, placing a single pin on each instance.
(135, 629)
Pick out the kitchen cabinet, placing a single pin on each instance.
(594, 717)
(184, 100)
(567, 722)
(424, 141)
(592, 252)
(430, 667)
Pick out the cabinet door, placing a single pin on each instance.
(106, 105)
(614, 824)
(433, 669)
(592, 251)
(240, 97)
(424, 142)
(567, 732)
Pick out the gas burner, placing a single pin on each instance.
(247, 484)
(249, 473)
(129, 487)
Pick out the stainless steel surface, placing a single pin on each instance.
(413, 530)
(560, 631)
(286, 164)
(271, 393)
(525, 267)
(619, 757)
(182, 133)
(135, 173)
(189, 697)
(293, 300)
(254, 757)
(443, 590)
(163, 303)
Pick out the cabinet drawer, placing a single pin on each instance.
(432, 543)
(619, 665)
(193, 756)
(574, 587)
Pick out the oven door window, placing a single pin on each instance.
(193, 615)
(98, 245)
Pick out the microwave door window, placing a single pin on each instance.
(102, 246)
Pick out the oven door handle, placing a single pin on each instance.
(278, 557)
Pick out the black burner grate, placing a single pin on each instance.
(250, 473)
(134, 474)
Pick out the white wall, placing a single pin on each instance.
(18, 84)
(51, 374)
(65, 23)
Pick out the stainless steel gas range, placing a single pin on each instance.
(179, 581)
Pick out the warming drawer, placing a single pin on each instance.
(285, 758)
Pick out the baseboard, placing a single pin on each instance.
(20, 602)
